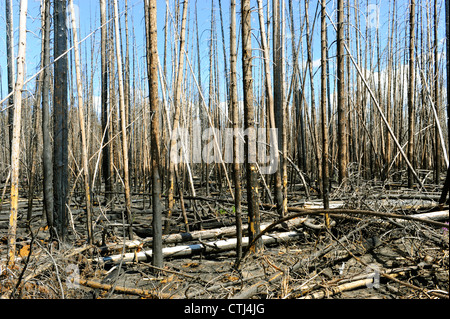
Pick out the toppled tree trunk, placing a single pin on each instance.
(195, 235)
(124, 290)
(205, 248)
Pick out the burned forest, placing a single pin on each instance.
(224, 149)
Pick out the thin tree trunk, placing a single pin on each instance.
(152, 69)
(84, 149)
(176, 120)
(314, 133)
(106, 168)
(15, 151)
(250, 137)
(323, 113)
(123, 122)
(437, 151)
(411, 91)
(445, 189)
(271, 110)
(60, 118)
(275, 100)
(341, 97)
(11, 68)
(235, 119)
(34, 137)
(47, 154)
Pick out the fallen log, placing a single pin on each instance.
(331, 291)
(205, 248)
(193, 236)
(439, 215)
(126, 290)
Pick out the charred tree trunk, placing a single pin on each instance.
(411, 91)
(341, 97)
(106, 168)
(84, 148)
(235, 120)
(47, 154)
(250, 137)
(123, 123)
(275, 101)
(323, 112)
(152, 69)
(11, 67)
(60, 118)
(446, 187)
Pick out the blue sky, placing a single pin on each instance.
(89, 21)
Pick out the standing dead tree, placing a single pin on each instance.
(47, 154)
(341, 97)
(15, 150)
(123, 122)
(84, 150)
(249, 120)
(176, 120)
(11, 67)
(235, 120)
(411, 90)
(152, 70)
(446, 187)
(106, 167)
(323, 112)
(60, 119)
(271, 109)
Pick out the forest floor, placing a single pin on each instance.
(361, 257)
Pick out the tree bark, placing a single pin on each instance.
(152, 69)
(250, 137)
(323, 113)
(437, 151)
(84, 149)
(270, 100)
(276, 100)
(47, 154)
(123, 123)
(106, 168)
(176, 119)
(411, 91)
(314, 131)
(235, 119)
(445, 189)
(15, 150)
(341, 97)
(60, 118)
(11, 67)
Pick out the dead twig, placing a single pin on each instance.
(125, 290)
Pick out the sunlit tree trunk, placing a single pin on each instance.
(235, 119)
(15, 150)
(123, 122)
(81, 106)
(341, 97)
(411, 90)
